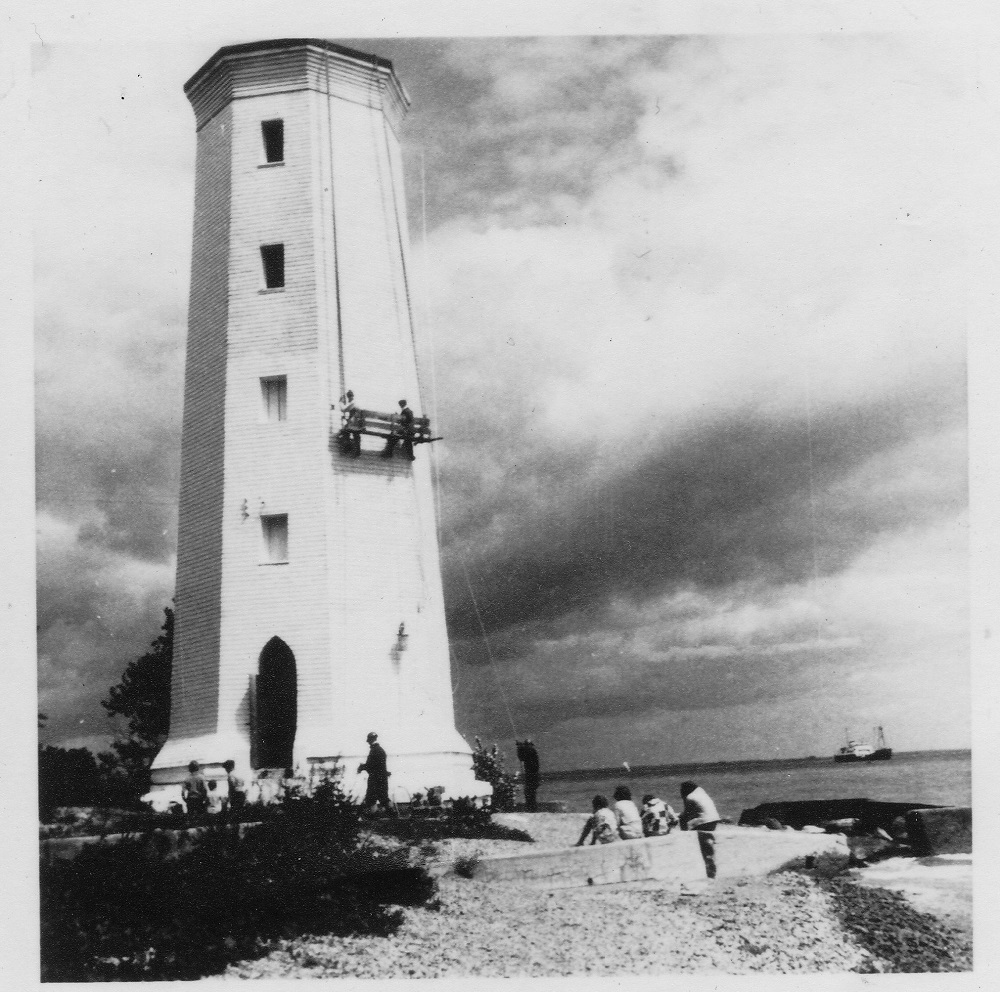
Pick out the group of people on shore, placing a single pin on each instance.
(201, 795)
(622, 819)
(199, 792)
(610, 822)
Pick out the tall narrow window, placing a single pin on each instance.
(275, 531)
(273, 133)
(274, 397)
(273, 258)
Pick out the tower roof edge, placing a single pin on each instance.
(288, 64)
(279, 44)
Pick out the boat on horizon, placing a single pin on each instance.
(859, 751)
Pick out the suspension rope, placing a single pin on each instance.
(402, 253)
(333, 216)
(489, 652)
(427, 323)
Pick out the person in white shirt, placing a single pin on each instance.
(351, 424)
(602, 824)
(700, 814)
(627, 814)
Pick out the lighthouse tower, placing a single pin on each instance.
(309, 601)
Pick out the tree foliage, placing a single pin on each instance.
(141, 700)
(488, 765)
(67, 778)
(124, 911)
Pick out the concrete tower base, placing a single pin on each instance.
(413, 770)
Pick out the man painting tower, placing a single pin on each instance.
(299, 565)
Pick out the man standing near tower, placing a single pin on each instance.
(528, 756)
(378, 775)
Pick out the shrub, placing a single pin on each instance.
(124, 911)
(466, 867)
(488, 766)
(462, 818)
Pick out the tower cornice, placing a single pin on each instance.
(285, 65)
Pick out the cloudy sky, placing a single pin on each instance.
(696, 307)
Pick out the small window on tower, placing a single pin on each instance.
(274, 395)
(273, 133)
(275, 531)
(273, 258)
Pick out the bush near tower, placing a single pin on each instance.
(124, 911)
(142, 700)
(488, 765)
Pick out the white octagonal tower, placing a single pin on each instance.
(309, 601)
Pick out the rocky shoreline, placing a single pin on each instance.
(784, 923)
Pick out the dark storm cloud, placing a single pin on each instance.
(97, 610)
(108, 434)
(580, 683)
(738, 499)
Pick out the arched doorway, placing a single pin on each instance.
(276, 708)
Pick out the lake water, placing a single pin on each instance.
(938, 778)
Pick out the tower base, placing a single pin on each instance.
(411, 773)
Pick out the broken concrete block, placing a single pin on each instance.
(946, 830)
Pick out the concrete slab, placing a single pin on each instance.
(943, 830)
(740, 852)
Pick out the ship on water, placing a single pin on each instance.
(859, 751)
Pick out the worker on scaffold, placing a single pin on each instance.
(402, 430)
(351, 425)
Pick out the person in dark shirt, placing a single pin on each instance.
(194, 790)
(378, 775)
(528, 756)
(402, 431)
(236, 798)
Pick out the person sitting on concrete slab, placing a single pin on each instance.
(627, 814)
(603, 824)
(700, 814)
(658, 819)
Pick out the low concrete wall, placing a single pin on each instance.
(940, 830)
(739, 852)
(167, 842)
(869, 813)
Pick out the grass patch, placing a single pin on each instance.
(462, 819)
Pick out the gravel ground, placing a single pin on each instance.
(781, 924)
